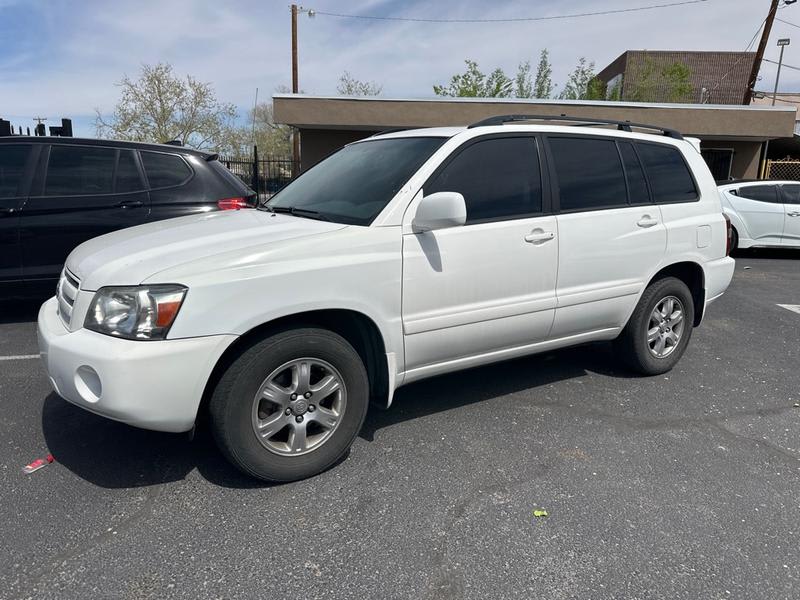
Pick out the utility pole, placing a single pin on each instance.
(762, 46)
(295, 90)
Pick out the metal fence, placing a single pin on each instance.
(265, 175)
(783, 169)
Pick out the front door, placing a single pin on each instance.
(475, 293)
(13, 162)
(791, 209)
(84, 192)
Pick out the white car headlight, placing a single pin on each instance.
(144, 312)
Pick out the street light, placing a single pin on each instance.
(783, 42)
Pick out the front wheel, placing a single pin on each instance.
(659, 329)
(291, 405)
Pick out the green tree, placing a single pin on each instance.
(651, 82)
(160, 107)
(473, 83)
(543, 86)
(350, 86)
(579, 84)
(524, 84)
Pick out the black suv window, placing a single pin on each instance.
(589, 173)
(637, 185)
(79, 171)
(127, 178)
(763, 193)
(499, 179)
(670, 179)
(164, 170)
(12, 164)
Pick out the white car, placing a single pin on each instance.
(400, 257)
(764, 214)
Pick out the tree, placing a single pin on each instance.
(160, 107)
(271, 138)
(579, 84)
(654, 83)
(473, 83)
(543, 87)
(350, 86)
(524, 85)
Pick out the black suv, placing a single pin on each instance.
(57, 192)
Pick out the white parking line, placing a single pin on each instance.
(791, 307)
(20, 357)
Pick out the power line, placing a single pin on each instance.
(510, 20)
(785, 66)
(728, 72)
(787, 22)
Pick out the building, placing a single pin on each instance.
(713, 77)
(732, 137)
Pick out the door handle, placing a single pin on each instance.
(6, 211)
(130, 204)
(794, 214)
(647, 221)
(539, 236)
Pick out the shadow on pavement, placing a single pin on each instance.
(19, 311)
(114, 455)
(772, 253)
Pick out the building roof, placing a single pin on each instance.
(723, 75)
(708, 121)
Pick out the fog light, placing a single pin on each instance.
(87, 382)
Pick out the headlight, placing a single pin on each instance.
(144, 312)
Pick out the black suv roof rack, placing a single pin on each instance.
(582, 121)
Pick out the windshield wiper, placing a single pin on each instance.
(297, 212)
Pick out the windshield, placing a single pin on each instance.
(354, 184)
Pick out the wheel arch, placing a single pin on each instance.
(357, 328)
(693, 275)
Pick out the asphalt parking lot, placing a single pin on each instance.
(677, 486)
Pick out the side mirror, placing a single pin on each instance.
(439, 211)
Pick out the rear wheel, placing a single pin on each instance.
(659, 330)
(291, 405)
(734, 240)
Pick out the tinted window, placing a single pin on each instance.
(164, 170)
(764, 193)
(79, 171)
(589, 173)
(355, 184)
(791, 194)
(637, 186)
(670, 180)
(127, 179)
(12, 164)
(498, 178)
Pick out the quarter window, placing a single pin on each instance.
(670, 179)
(12, 165)
(589, 173)
(762, 193)
(79, 171)
(791, 194)
(637, 185)
(164, 170)
(499, 179)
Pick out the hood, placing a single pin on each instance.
(129, 256)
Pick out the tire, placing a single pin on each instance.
(633, 345)
(734, 240)
(327, 429)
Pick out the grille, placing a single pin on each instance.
(66, 292)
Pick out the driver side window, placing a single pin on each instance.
(499, 179)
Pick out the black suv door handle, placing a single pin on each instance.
(130, 204)
(6, 211)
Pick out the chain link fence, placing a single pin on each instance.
(783, 169)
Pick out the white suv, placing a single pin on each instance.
(400, 257)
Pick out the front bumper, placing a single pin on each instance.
(155, 385)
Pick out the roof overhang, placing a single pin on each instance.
(708, 121)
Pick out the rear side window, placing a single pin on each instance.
(80, 171)
(12, 165)
(762, 193)
(637, 185)
(164, 170)
(127, 177)
(589, 173)
(791, 194)
(499, 179)
(669, 176)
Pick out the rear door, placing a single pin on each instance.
(82, 192)
(15, 165)
(611, 235)
(761, 209)
(791, 209)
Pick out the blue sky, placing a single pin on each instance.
(62, 58)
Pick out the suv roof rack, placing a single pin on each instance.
(582, 121)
